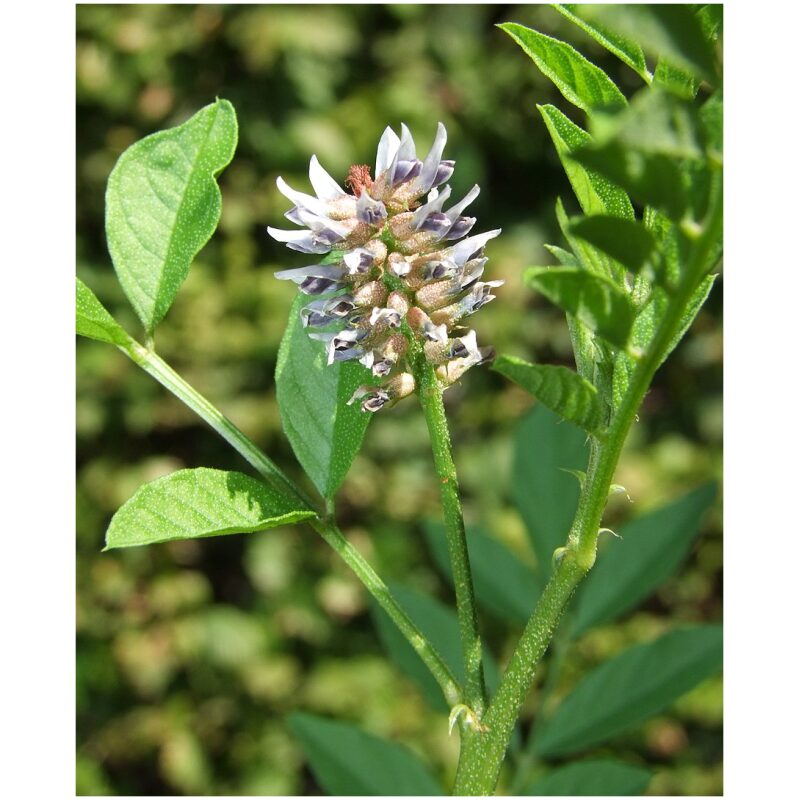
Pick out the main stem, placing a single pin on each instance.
(482, 755)
(171, 380)
(430, 394)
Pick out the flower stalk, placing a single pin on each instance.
(430, 395)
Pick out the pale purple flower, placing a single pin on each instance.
(396, 228)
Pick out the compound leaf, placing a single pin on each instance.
(624, 48)
(595, 193)
(672, 32)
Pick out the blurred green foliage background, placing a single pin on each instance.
(190, 654)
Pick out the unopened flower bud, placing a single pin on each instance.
(402, 226)
(436, 295)
(373, 293)
(378, 250)
(399, 302)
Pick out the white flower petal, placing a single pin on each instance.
(299, 274)
(461, 252)
(325, 186)
(387, 148)
(299, 240)
(405, 151)
(455, 212)
(431, 163)
(320, 223)
(300, 199)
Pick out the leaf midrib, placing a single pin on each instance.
(192, 174)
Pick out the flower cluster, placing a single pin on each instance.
(400, 273)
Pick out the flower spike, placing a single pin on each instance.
(401, 272)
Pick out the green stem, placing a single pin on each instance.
(482, 756)
(527, 762)
(430, 394)
(159, 369)
(378, 589)
(167, 377)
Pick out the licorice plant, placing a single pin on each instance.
(385, 313)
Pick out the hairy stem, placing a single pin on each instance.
(167, 377)
(430, 394)
(482, 755)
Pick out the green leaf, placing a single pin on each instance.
(651, 179)
(92, 319)
(581, 82)
(656, 122)
(627, 50)
(646, 325)
(560, 389)
(696, 302)
(503, 584)
(711, 121)
(595, 193)
(348, 761)
(624, 240)
(651, 548)
(163, 204)
(673, 32)
(710, 18)
(675, 80)
(545, 495)
(195, 503)
(593, 359)
(564, 257)
(439, 625)
(600, 777)
(325, 433)
(642, 149)
(593, 300)
(630, 688)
